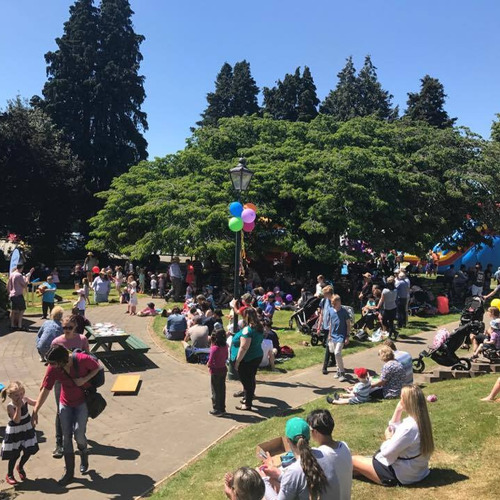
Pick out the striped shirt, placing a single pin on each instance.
(360, 392)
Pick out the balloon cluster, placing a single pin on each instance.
(243, 216)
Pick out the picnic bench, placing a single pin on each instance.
(102, 344)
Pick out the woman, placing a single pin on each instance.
(244, 484)
(249, 356)
(72, 407)
(404, 456)
(311, 476)
(72, 338)
(50, 329)
(387, 303)
(392, 376)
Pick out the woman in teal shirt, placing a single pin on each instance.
(249, 355)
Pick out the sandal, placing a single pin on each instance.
(243, 408)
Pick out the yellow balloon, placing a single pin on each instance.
(495, 303)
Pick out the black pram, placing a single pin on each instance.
(306, 316)
(444, 354)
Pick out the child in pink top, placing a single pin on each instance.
(217, 367)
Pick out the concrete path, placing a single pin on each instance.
(140, 439)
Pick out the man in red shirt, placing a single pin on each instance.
(73, 408)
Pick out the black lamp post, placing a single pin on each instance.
(240, 177)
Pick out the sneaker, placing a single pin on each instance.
(215, 413)
(239, 394)
(337, 375)
(325, 372)
(342, 378)
(333, 397)
(58, 452)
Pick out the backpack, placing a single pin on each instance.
(286, 352)
(98, 379)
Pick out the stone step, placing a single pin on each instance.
(480, 367)
(495, 368)
(430, 378)
(460, 374)
(442, 374)
(477, 373)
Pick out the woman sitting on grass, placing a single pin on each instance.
(404, 457)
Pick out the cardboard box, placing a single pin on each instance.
(276, 447)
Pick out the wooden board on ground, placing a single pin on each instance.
(126, 383)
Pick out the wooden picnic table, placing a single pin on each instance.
(104, 343)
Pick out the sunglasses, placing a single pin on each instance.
(68, 327)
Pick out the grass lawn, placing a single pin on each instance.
(465, 464)
(309, 356)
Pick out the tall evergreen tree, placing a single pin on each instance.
(219, 101)
(307, 99)
(293, 99)
(244, 91)
(94, 92)
(495, 129)
(119, 94)
(373, 99)
(342, 103)
(428, 104)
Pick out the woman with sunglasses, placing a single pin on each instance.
(72, 407)
(71, 339)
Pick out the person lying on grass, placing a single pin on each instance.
(149, 310)
(359, 393)
(404, 456)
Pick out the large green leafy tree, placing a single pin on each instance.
(428, 104)
(40, 178)
(94, 92)
(293, 99)
(390, 183)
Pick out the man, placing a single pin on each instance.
(477, 285)
(404, 358)
(197, 334)
(460, 285)
(325, 310)
(403, 288)
(175, 274)
(16, 285)
(340, 326)
(48, 289)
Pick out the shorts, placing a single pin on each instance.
(18, 303)
(480, 338)
(385, 473)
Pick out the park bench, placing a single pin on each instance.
(136, 344)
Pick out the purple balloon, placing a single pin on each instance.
(289, 297)
(248, 215)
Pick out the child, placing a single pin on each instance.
(358, 394)
(125, 297)
(161, 285)
(132, 304)
(149, 310)
(154, 286)
(218, 371)
(119, 280)
(81, 302)
(19, 433)
(189, 293)
(493, 342)
(86, 288)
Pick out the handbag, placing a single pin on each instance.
(95, 402)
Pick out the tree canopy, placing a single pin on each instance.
(393, 184)
(40, 178)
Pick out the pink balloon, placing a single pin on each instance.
(248, 226)
(248, 215)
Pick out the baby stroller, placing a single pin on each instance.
(444, 352)
(419, 301)
(473, 312)
(306, 316)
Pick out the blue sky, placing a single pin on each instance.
(186, 43)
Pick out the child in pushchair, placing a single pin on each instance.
(490, 347)
(443, 349)
(473, 312)
(369, 316)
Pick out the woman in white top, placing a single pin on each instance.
(404, 457)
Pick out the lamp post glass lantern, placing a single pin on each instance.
(240, 178)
